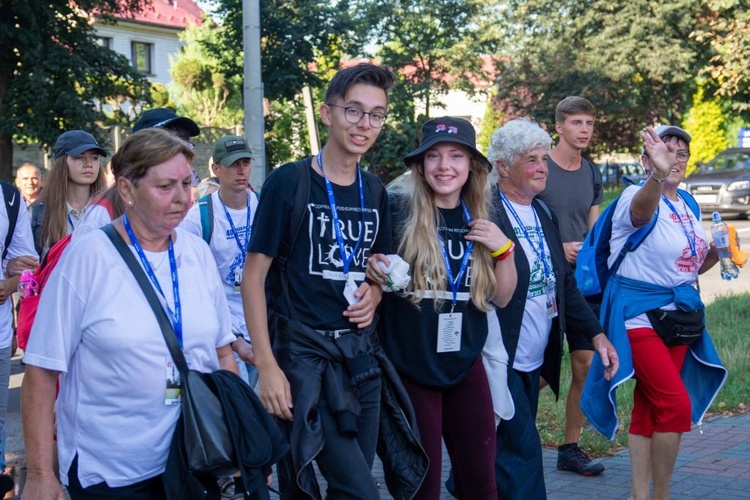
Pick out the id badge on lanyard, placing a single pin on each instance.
(551, 295)
(174, 382)
(449, 332)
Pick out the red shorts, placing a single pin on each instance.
(660, 400)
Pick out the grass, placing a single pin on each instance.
(728, 320)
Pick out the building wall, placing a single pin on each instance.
(458, 104)
(165, 43)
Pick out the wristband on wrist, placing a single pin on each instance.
(500, 251)
(507, 253)
(660, 181)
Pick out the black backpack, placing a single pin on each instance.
(13, 200)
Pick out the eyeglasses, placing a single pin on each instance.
(681, 155)
(354, 115)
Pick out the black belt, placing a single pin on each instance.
(334, 334)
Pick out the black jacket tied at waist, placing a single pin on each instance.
(258, 443)
(316, 365)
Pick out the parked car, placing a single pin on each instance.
(613, 173)
(723, 184)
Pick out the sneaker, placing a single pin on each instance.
(571, 458)
(6, 484)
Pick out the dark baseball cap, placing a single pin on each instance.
(664, 130)
(447, 129)
(168, 119)
(229, 149)
(75, 142)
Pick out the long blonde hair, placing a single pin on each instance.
(55, 197)
(419, 238)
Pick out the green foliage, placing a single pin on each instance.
(435, 44)
(287, 138)
(202, 88)
(705, 124)
(491, 120)
(160, 96)
(293, 36)
(632, 58)
(725, 28)
(53, 72)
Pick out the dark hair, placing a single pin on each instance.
(573, 105)
(366, 73)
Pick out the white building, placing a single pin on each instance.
(150, 37)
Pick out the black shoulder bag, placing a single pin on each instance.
(207, 442)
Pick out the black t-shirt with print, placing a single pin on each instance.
(409, 334)
(315, 265)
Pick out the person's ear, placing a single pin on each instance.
(215, 169)
(558, 127)
(127, 191)
(325, 114)
(502, 169)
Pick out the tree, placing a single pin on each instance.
(294, 36)
(435, 44)
(491, 120)
(705, 124)
(53, 71)
(633, 59)
(200, 86)
(725, 27)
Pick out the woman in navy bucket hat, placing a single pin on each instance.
(435, 330)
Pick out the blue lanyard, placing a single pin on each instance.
(347, 259)
(240, 245)
(175, 316)
(453, 282)
(540, 251)
(691, 241)
(70, 221)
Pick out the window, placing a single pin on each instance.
(104, 41)
(142, 56)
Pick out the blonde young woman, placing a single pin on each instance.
(435, 331)
(75, 176)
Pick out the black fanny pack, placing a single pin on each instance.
(677, 327)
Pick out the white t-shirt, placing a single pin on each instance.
(226, 250)
(664, 258)
(536, 323)
(21, 244)
(94, 217)
(95, 326)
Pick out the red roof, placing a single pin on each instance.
(167, 13)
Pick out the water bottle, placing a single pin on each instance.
(720, 235)
(27, 285)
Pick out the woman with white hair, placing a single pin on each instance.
(546, 297)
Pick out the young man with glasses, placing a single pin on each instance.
(317, 222)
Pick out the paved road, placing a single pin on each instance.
(711, 283)
(714, 464)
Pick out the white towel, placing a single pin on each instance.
(495, 359)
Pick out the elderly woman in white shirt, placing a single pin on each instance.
(96, 331)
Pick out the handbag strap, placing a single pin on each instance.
(148, 290)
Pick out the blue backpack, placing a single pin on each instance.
(592, 272)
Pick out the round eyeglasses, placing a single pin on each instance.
(354, 115)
